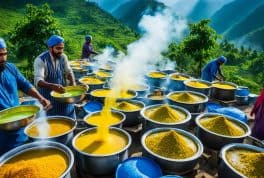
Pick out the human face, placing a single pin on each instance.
(57, 50)
(3, 56)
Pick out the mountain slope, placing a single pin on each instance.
(256, 38)
(75, 18)
(250, 23)
(232, 13)
(131, 12)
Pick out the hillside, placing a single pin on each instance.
(131, 12)
(75, 18)
(251, 23)
(256, 38)
(233, 13)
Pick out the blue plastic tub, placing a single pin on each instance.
(138, 167)
(211, 107)
(93, 106)
(242, 91)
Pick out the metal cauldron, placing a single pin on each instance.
(92, 164)
(142, 89)
(118, 113)
(196, 107)
(175, 84)
(173, 165)
(156, 82)
(92, 86)
(225, 170)
(217, 141)
(17, 117)
(74, 98)
(223, 94)
(151, 124)
(205, 90)
(42, 145)
(132, 117)
(63, 138)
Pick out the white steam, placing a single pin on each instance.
(158, 32)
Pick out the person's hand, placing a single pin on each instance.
(58, 88)
(45, 103)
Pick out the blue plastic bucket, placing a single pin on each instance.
(92, 106)
(136, 167)
(242, 91)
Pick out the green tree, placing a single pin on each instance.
(200, 43)
(30, 35)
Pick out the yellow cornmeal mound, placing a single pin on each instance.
(222, 126)
(249, 163)
(186, 97)
(35, 164)
(91, 81)
(179, 77)
(171, 144)
(156, 75)
(75, 63)
(102, 74)
(197, 84)
(156, 97)
(101, 93)
(223, 86)
(165, 114)
(127, 106)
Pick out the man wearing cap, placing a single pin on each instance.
(51, 73)
(11, 80)
(87, 49)
(210, 71)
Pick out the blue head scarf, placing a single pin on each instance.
(88, 37)
(2, 43)
(54, 40)
(222, 59)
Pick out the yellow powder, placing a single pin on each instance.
(222, 126)
(36, 164)
(249, 163)
(157, 75)
(156, 97)
(179, 77)
(56, 127)
(109, 120)
(102, 74)
(101, 93)
(165, 114)
(91, 81)
(197, 84)
(128, 106)
(90, 142)
(171, 144)
(223, 86)
(75, 63)
(186, 97)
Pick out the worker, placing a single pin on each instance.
(212, 69)
(52, 72)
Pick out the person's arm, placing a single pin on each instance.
(39, 75)
(213, 71)
(220, 73)
(68, 71)
(34, 93)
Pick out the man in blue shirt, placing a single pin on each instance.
(11, 80)
(87, 49)
(210, 71)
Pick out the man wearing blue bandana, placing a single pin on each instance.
(51, 73)
(87, 49)
(210, 71)
(11, 80)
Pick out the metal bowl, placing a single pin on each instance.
(119, 124)
(205, 91)
(225, 170)
(41, 145)
(28, 113)
(79, 72)
(92, 164)
(177, 85)
(94, 86)
(224, 94)
(132, 117)
(64, 138)
(196, 107)
(71, 99)
(156, 82)
(141, 92)
(151, 124)
(110, 75)
(217, 141)
(173, 165)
